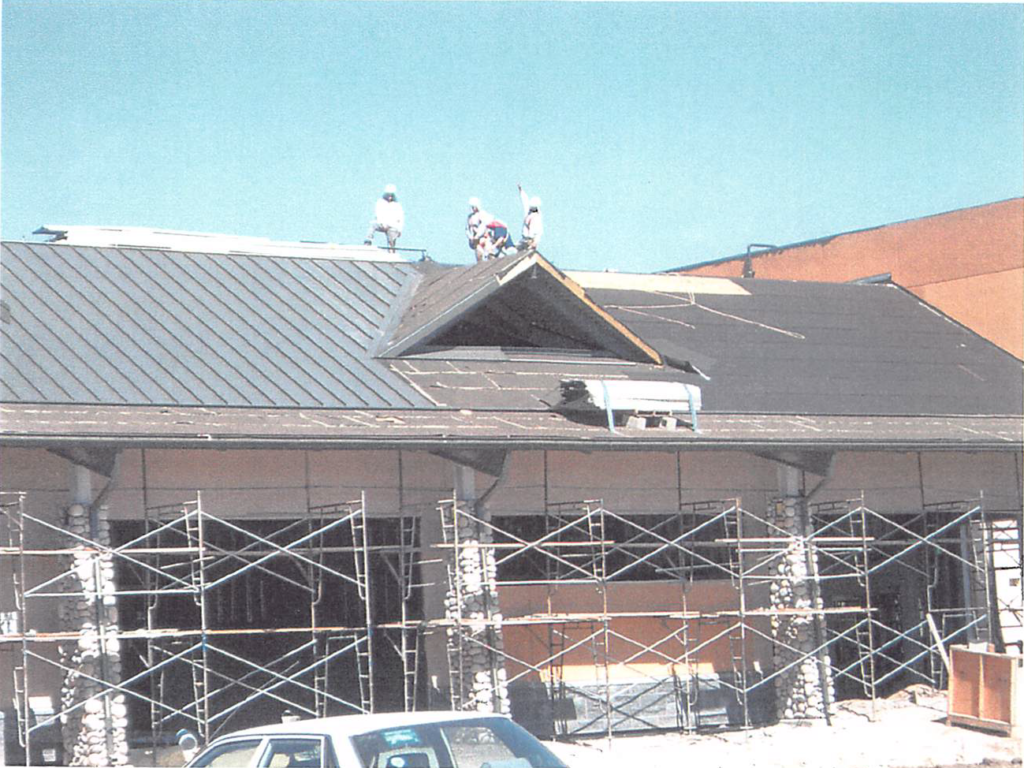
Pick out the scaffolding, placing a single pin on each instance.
(200, 644)
(715, 667)
(198, 639)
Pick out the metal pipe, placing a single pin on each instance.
(748, 267)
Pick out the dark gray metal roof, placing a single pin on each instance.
(824, 348)
(140, 327)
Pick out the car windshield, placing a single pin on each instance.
(487, 742)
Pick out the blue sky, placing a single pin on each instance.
(656, 134)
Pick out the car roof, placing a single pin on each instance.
(349, 725)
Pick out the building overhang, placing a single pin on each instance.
(111, 427)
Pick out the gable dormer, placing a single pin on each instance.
(518, 301)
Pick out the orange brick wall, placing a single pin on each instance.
(967, 263)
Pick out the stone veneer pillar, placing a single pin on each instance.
(472, 602)
(94, 732)
(798, 690)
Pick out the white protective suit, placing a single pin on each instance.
(389, 218)
(533, 224)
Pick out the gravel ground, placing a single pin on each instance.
(909, 731)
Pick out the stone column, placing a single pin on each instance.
(475, 645)
(799, 691)
(95, 730)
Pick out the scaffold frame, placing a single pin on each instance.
(583, 542)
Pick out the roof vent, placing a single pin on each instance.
(636, 404)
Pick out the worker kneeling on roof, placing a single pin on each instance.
(495, 241)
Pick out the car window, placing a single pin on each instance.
(293, 753)
(487, 742)
(407, 747)
(473, 746)
(234, 754)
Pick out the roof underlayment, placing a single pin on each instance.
(116, 345)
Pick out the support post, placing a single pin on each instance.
(475, 641)
(805, 688)
(95, 730)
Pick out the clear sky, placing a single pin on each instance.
(656, 134)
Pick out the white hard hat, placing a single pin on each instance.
(535, 203)
(390, 189)
(474, 202)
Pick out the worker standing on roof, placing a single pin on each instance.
(389, 218)
(476, 225)
(533, 222)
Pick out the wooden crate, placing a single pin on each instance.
(986, 690)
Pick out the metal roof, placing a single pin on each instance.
(139, 328)
(207, 242)
(143, 327)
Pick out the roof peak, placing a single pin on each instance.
(208, 242)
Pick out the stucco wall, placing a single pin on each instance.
(274, 483)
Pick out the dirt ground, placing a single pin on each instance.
(909, 731)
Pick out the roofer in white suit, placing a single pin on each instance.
(476, 225)
(533, 222)
(389, 218)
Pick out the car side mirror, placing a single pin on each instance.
(187, 742)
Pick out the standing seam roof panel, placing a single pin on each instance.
(20, 389)
(94, 328)
(186, 344)
(23, 360)
(227, 327)
(321, 314)
(351, 307)
(49, 333)
(240, 351)
(149, 279)
(257, 317)
(337, 345)
(158, 342)
(301, 349)
(161, 352)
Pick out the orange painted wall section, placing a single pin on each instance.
(967, 263)
(639, 646)
(991, 305)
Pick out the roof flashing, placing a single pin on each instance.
(145, 238)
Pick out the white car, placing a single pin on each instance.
(402, 740)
